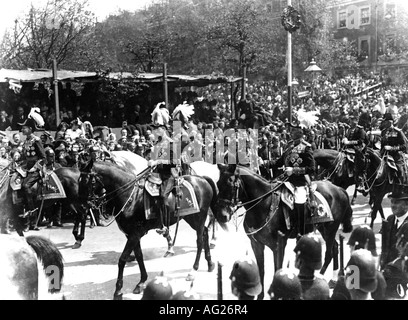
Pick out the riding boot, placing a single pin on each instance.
(163, 214)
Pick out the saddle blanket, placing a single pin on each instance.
(188, 201)
(51, 188)
(291, 195)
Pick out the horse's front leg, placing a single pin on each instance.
(143, 274)
(130, 245)
(207, 252)
(170, 245)
(353, 199)
(80, 220)
(259, 249)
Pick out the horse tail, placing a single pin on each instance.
(348, 215)
(50, 256)
(214, 189)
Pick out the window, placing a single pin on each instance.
(364, 46)
(390, 44)
(364, 16)
(390, 12)
(342, 22)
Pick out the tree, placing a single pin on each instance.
(58, 30)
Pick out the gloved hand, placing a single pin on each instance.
(388, 148)
(152, 163)
(289, 171)
(344, 141)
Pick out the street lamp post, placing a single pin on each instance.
(313, 68)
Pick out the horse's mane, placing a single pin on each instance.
(253, 173)
(111, 165)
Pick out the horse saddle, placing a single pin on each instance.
(51, 187)
(184, 198)
(153, 183)
(299, 195)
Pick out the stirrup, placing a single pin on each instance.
(163, 231)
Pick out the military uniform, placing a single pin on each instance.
(394, 139)
(357, 139)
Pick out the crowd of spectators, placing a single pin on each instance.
(264, 107)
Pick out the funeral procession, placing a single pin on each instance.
(213, 150)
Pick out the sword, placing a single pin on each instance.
(93, 217)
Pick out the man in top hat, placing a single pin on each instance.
(396, 272)
(356, 139)
(394, 145)
(33, 157)
(300, 167)
(390, 227)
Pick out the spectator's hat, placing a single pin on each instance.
(158, 289)
(309, 249)
(285, 285)
(245, 277)
(363, 237)
(365, 263)
(399, 193)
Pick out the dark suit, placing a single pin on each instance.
(389, 230)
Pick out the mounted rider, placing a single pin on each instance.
(354, 145)
(300, 167)
(394, 148)
(33, 160)
(163, 160)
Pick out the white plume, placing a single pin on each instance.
(307, 119)
(186, 110)
(160, 116)
(36, 116)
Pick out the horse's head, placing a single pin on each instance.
(90, 183)
(229, 185)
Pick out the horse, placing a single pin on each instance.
(126, 200)
(377, 179)
(329, 162)
(264, 221)
(21, 277)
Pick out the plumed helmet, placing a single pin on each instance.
(309, 249)
(362, 266)
(29, 123)
(245, 276)
(158, 289)
(285, 285)
(363, 237)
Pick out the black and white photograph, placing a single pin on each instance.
(222, 151)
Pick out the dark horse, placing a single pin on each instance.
(19, 260)
(238, 183)
(69, 180)
(125, 198)
(376, 177)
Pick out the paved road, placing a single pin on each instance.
(90, 271)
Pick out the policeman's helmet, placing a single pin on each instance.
(285, 286)
(309, 249)
(185, 295)
(245, 277)
(158, 289)
(362, 266)
(363, 237)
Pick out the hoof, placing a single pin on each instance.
(332, 284)
(118, 296)
(76, 245)
(169, 252)
(211, 266)
(212, 245)
(138, 290)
